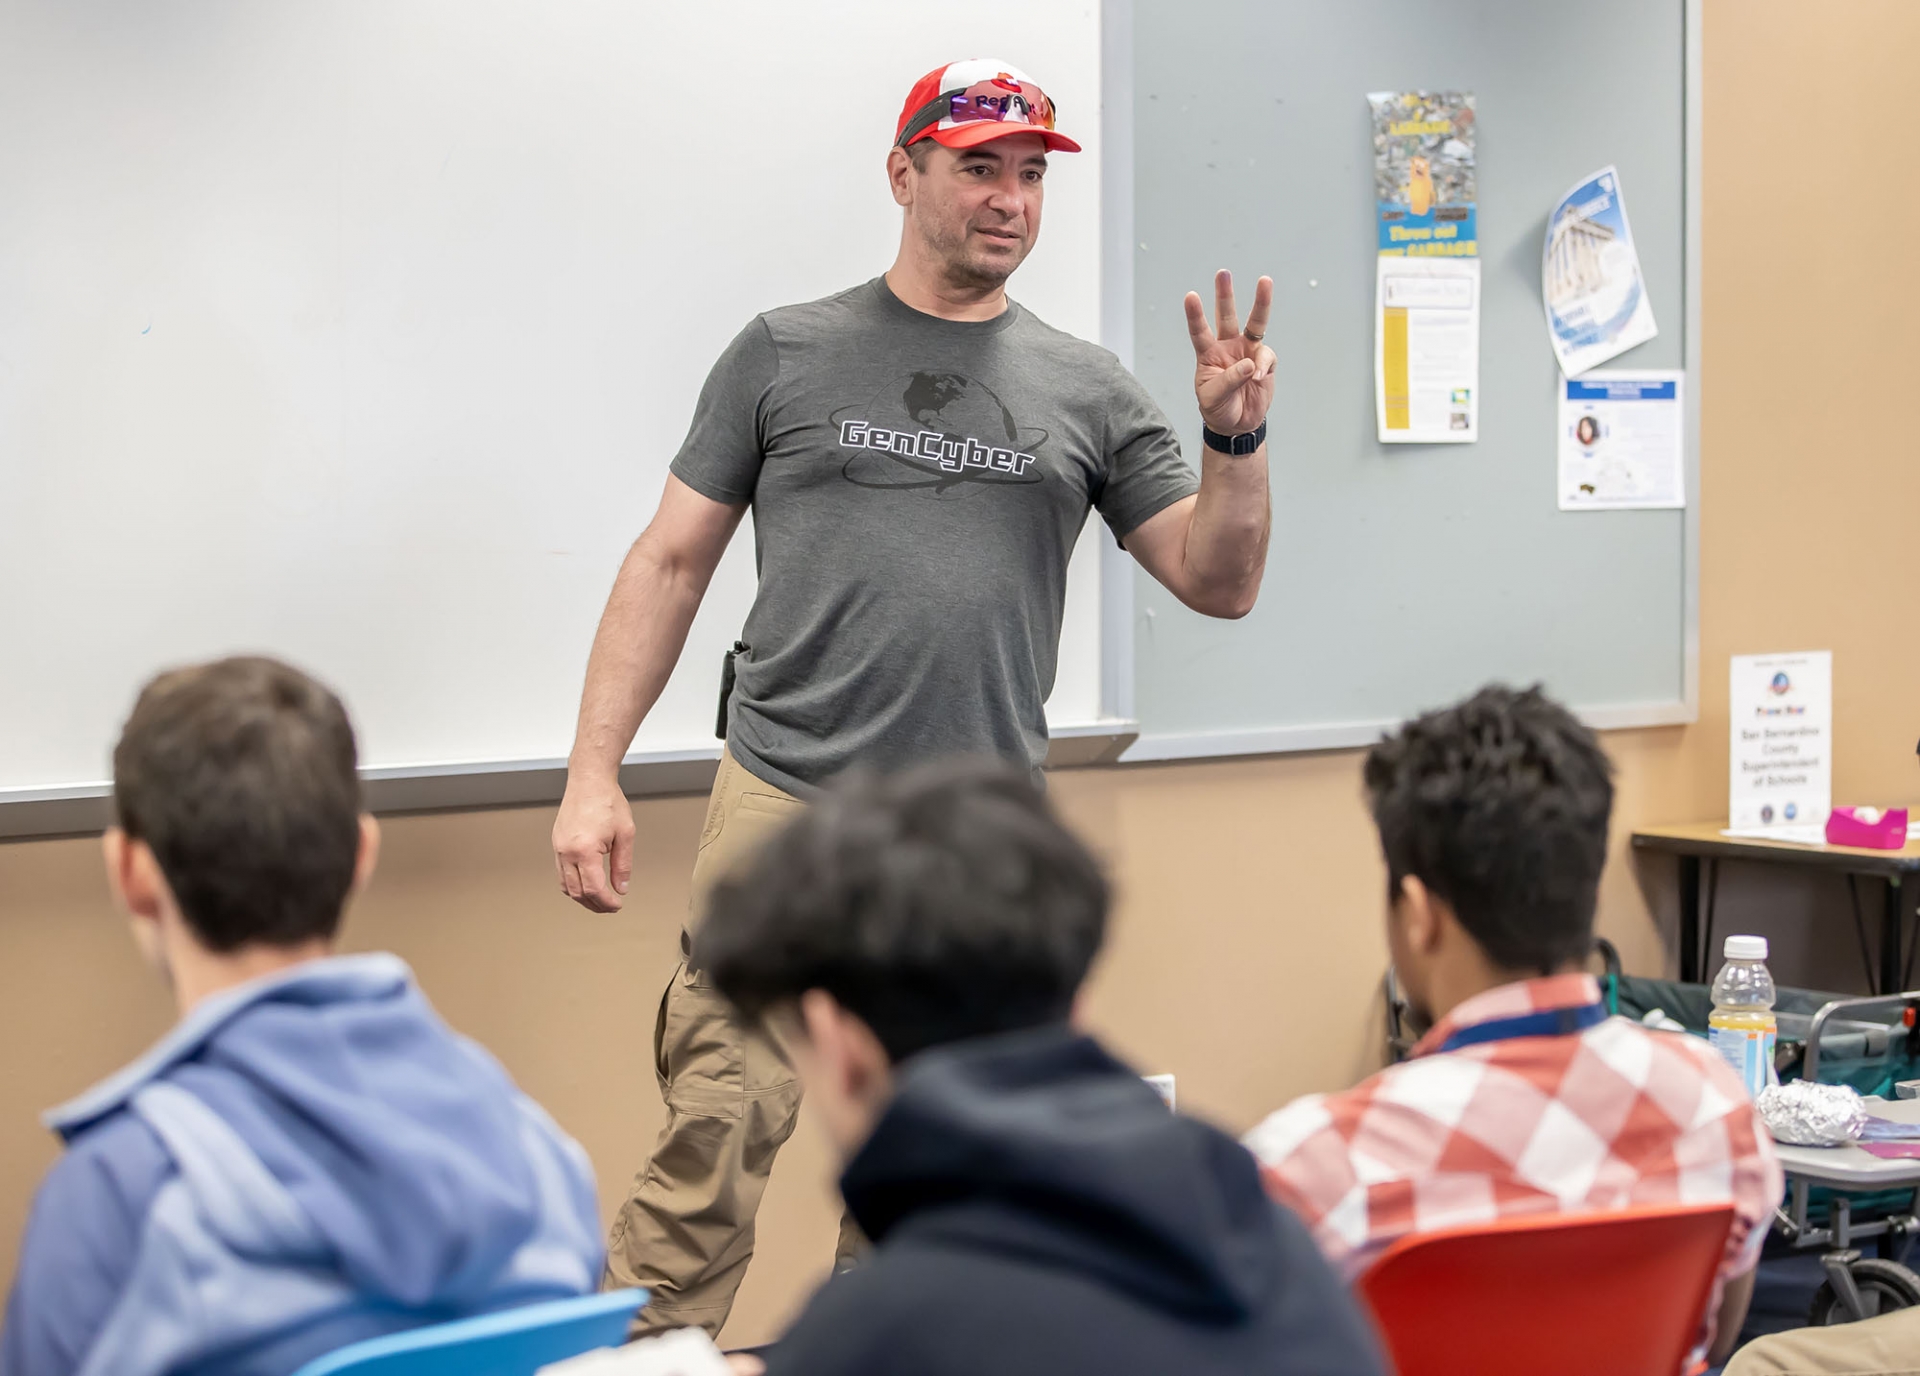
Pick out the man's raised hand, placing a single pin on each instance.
(1232, 368)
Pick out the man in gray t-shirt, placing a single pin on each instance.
(920, 454)
(917, 486)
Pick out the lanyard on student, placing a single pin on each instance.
(1548, 1022)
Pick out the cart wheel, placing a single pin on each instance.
(1884, 1287)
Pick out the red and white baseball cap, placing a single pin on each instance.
(968, 103)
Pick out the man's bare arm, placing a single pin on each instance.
(1210, 550)
(641, 634)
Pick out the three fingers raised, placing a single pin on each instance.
(1226, 315)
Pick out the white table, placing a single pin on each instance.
(1850, 1168)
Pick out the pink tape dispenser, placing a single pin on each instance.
(1867, 827)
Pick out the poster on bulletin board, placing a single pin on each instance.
(1426, 355)
(1622, 440)
(1597, 302)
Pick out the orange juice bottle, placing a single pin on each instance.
(1742, 1026)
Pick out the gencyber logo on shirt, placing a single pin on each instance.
(954, 453)
(922, 430)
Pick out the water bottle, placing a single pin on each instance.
(1742, 1026)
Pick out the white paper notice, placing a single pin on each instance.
(1597, 305)
(1781, 713)
(1426, 360)
(1623, 440)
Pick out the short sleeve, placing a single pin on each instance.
(721, 455)
(1145, 473)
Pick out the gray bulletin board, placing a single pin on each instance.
(1403, 576)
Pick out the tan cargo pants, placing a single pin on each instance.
(1886, 1346)
(686, 1229)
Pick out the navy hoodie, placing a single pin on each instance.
(1036, 1209)
(305, 1160)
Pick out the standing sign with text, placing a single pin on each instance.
(1781, 710)
(1426, 313)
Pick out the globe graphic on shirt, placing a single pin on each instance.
(951, 405)
(927, 396)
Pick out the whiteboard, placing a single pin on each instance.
(362, 332)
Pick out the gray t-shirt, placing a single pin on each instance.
(917, 486)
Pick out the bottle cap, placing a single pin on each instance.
(1746, 948)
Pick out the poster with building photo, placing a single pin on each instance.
(1426, 311)
(1597, 304)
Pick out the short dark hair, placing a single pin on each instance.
(240, 775)
(939, 904)
(1499, 805)
(920, 150)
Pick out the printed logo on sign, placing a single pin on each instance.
(1781, 683)
(939, 432)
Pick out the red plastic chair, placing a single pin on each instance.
(1598, 1294)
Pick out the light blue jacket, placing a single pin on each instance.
(304, 1161)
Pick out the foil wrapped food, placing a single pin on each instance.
(1802, 1114)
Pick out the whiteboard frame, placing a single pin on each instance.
(1116, 314)
(87, 809)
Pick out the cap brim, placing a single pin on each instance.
(985, 131)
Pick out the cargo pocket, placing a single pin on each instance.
(702, 1062)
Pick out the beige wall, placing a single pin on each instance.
(1247, 947)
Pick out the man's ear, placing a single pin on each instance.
(845, 1048)
(133, 874)
(899, 175)
(141, 892)
(1420, 914)
(368, 855)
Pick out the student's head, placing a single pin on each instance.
(238, 833)
(1493, 819)
(967, 166)
(898, 914)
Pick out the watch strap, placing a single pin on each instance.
(1237, 445)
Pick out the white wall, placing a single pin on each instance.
(363, 332)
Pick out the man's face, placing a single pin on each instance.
(977, 210)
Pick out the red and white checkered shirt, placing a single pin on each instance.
(1611, 1116)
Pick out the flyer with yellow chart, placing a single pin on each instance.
(1426, 314)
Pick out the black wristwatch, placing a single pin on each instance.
(1239, 445)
